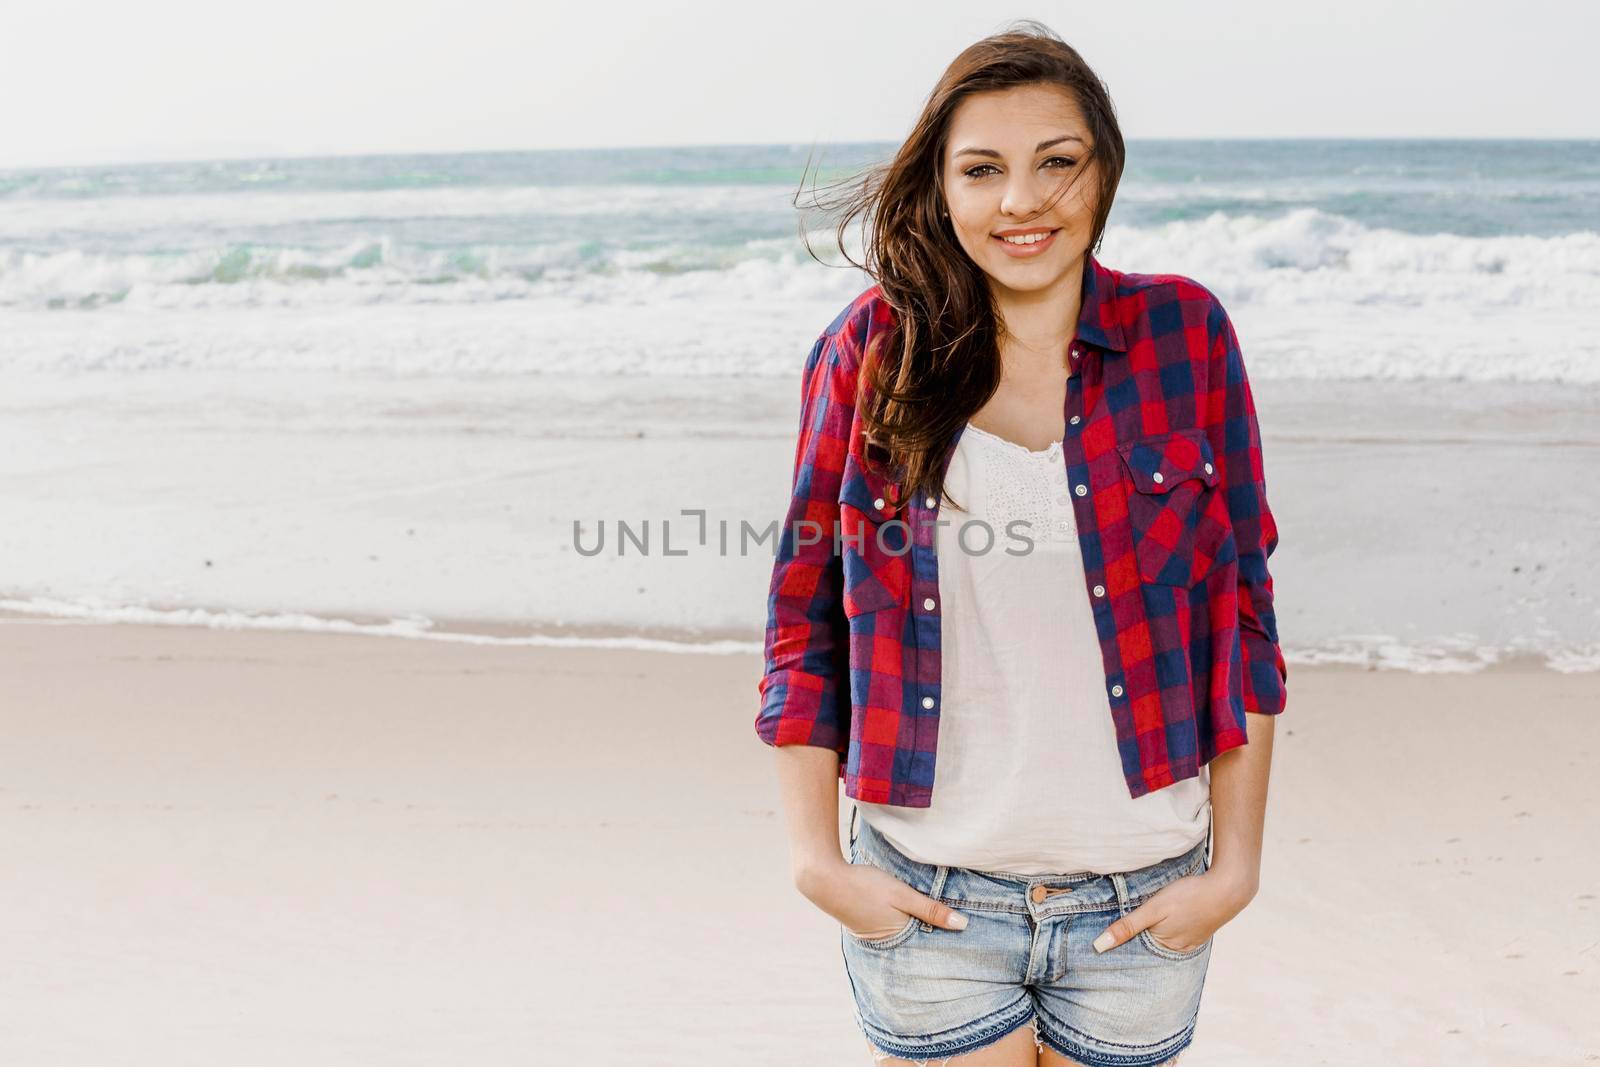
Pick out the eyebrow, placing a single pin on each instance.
(992, 154)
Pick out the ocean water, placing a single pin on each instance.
(378, 394)
(1348, 259)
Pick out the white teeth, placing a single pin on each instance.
(1026, 239)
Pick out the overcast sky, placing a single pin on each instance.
(114, 82)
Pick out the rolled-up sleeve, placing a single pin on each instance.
(804, 686)
(1237, 438)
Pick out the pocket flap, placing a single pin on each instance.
(870, 493)
(876, 561)
(868, 595)
(1160, 462)
(874, 540)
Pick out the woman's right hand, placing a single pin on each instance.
(871, 903)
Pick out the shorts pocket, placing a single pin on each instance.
(1157, 948)
(1178, 518)
(883, 943)
(929, 881)
(876, 942)
(1149, 942)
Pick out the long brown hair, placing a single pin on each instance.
(945, 363)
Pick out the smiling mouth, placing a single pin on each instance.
(1026, 244)
(1026, 238)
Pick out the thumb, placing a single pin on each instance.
(1128, 926)
(931, 911)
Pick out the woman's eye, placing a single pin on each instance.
(978, 171)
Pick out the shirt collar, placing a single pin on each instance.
(1098, 321)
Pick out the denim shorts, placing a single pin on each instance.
(928, 992)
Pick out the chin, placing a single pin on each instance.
(1027, 281)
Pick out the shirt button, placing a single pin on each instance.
(878, 503)
(930, 502)
(1099, 590)
(1081, 490)
(1073, 420)
(928, 603)
(1208, 468)
(927, 702)
(1116, 690)
(1156, 477)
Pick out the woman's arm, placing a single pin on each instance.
(1239, 776)
(1236, 441)
(865, 899)
(1190, 910)
(1239, 809)
(804, 691)
(805, 706)
(808, 782)
(1183, 914)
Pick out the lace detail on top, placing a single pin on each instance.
(1022, 485)
(1054, 449)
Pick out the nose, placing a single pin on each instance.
(1023, 197)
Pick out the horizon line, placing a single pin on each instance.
(793, 144)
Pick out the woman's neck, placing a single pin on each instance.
(1038, 325)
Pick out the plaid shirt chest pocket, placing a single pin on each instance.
(1179, 518)
(874, 541)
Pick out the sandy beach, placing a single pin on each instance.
(260, 848)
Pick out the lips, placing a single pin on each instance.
(1025, 251)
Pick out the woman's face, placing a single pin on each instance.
(1009, 153)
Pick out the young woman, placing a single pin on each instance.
(1081, 641)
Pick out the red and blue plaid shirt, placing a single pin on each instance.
(1164, 457)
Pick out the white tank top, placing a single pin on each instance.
(1028, 779)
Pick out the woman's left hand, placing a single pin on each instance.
(1182, 915)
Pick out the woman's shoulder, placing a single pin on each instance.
(1156, 306)
(852, 330)
(1156, 289)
